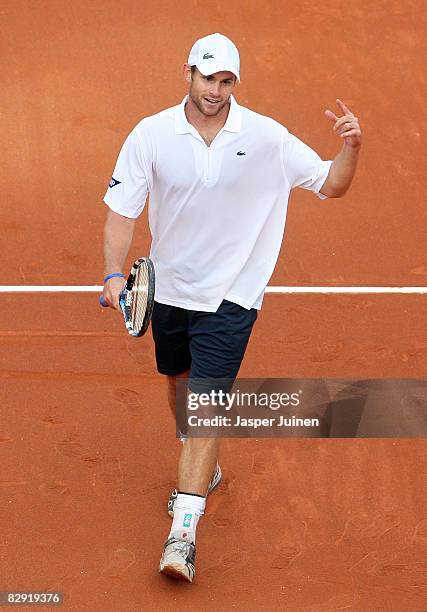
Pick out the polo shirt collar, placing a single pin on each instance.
(233, 123)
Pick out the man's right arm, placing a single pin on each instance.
(118, 233)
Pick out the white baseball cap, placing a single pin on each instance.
(215, 53)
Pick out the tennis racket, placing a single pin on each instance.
(137, 298)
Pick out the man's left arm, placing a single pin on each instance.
(344, 165)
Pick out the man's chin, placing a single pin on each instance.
(211, 109)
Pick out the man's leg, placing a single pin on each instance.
(199, 456)
(217, 345)
(197, 463)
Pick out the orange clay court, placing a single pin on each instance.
(87, 446)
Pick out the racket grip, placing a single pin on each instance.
(103, 302)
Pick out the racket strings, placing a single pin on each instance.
(140, 297)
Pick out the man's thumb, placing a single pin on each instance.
(330, 115)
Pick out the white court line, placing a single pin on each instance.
(50, 288)
(346, 290)
(290, 289)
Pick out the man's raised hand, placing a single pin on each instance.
(347, 126)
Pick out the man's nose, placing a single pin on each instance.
(215, 89)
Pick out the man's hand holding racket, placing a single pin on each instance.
(112, 290)
(134, 297)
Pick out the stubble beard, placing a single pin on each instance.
(199, 104)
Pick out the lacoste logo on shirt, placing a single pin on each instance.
(114, 182)
(241, 153)
(208, 56)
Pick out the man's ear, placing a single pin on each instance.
(187, 73)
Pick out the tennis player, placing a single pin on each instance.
(218, 177)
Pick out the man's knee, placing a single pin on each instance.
(171, 383)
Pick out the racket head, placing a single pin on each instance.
(137, 298)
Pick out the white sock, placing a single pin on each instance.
(186, 513)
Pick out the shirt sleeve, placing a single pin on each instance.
(128, 188)
(303, 166)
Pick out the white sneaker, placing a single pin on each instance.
(178, 559)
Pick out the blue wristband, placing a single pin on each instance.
(113, 275)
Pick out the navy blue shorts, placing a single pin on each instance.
(208, 344)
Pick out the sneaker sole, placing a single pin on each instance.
(173, 570)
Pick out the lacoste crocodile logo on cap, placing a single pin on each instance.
(241, 152)
(114, 182)
(208, 56)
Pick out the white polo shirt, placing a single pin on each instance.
(216, 214)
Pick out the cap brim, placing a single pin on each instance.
(211, 68)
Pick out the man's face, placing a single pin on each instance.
(211, 93)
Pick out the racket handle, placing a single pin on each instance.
(103, 302)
